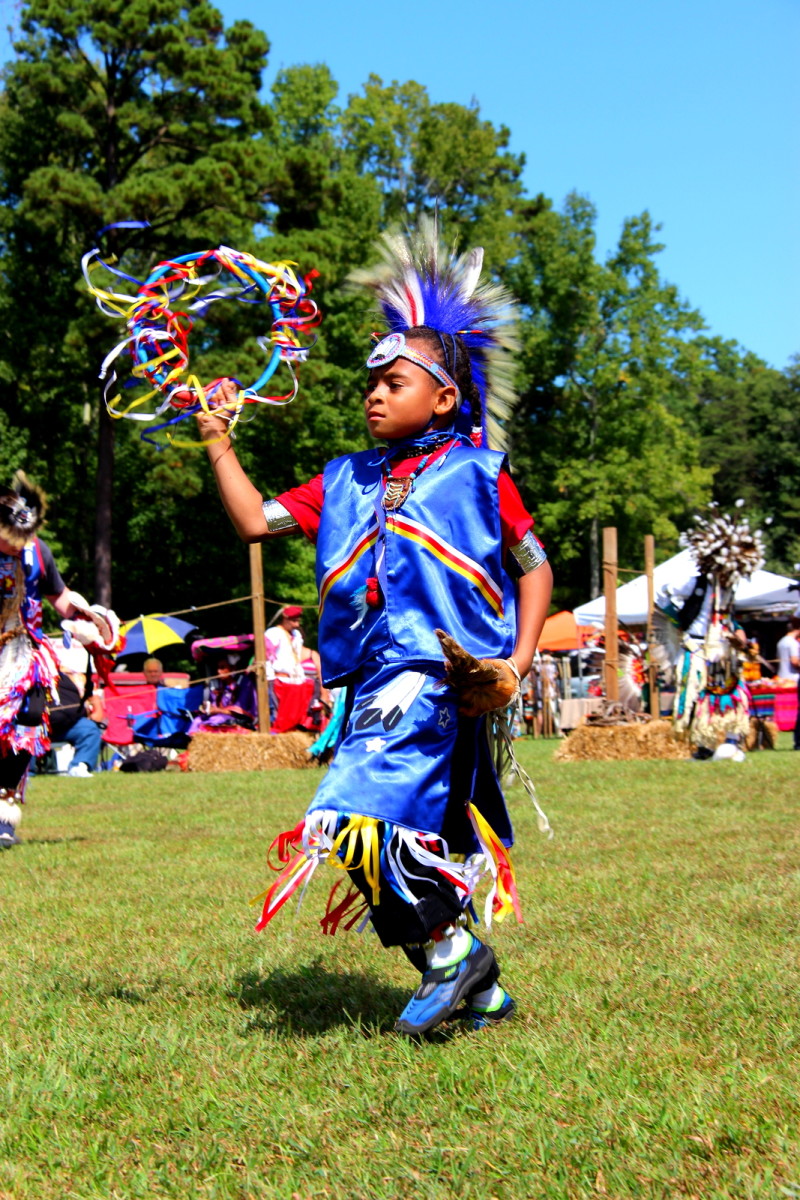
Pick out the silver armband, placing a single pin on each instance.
(279, 519)
(529, 553)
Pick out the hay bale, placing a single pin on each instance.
(608, 743)
(249, 751)
(763, 734)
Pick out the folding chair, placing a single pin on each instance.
(168, 724)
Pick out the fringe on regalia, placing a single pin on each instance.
(349, 842)
(24, 664)
(722, 716)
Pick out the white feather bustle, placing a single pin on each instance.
(724, 547)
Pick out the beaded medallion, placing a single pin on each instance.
(397, 492)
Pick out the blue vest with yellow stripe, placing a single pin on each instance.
(438, 561)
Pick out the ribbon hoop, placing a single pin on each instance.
(157, 341)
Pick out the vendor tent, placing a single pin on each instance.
(561, 632)
(764, 592)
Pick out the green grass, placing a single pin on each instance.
(154, 1046)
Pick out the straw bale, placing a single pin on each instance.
(249, 751)
(606, 743)
(763, 734)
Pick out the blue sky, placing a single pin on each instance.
(688, 109)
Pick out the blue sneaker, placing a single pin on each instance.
(480, 1018)
(8, 836)
(443, 988)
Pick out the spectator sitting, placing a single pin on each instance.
(230, 701)
(153, 671)
(75, 719)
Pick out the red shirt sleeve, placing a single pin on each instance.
(305, 505)
(515, 520)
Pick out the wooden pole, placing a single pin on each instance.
(257, 592)
(566, 677)
(652, 670)
(547, 717)
(610, 564)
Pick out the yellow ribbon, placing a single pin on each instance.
(363, 830)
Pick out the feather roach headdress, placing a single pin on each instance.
(22, 509)
(725, 547)
(421, 282)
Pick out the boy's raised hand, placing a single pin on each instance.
(214, 424)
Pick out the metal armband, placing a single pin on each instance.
(279, 519)
(529, 553)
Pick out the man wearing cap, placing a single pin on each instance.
(284, 646)
(289, 690)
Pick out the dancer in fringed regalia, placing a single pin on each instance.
(28, 667)
(712, 704)
(423, 545)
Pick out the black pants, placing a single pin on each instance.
(396, 921)
(12, 768)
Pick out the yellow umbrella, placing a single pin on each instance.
(147, 634)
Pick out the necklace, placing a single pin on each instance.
(408, 447)
(399, 487)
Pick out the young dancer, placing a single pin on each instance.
(426, 532)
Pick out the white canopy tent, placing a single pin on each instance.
(764, 592)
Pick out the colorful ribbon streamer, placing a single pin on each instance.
(157, 340)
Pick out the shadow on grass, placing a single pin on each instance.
(312, 999)
(51, 841)
(102, 990)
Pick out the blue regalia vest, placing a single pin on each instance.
(438, 561)
(32, 570)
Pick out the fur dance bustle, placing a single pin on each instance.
(10, 813)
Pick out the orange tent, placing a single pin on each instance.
(562, 632)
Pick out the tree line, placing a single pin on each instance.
(629, 413)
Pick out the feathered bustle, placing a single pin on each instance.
(22, 510)
(725, 546)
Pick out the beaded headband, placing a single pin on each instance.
(394, 345)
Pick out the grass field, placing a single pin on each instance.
(154, 1046)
